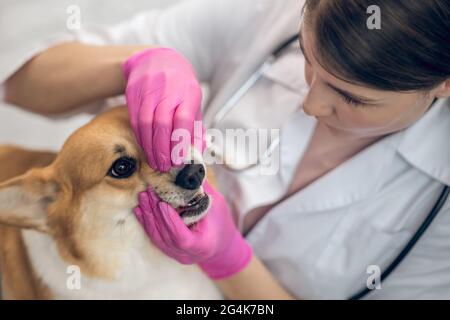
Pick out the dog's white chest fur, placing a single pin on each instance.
(146, 273)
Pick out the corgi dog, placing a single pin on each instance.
(67, 226)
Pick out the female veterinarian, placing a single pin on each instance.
(364, 152)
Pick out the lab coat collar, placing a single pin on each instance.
(426, 144)
(352, 181)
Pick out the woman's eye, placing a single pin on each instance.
(351, 101)
(122, 168)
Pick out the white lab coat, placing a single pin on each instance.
(319, 242)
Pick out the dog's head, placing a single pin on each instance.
(86, 197)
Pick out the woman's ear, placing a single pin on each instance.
(24, 200)
(443, 91)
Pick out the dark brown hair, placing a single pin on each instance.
(410, 52)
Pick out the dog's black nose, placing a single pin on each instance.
(191, 177)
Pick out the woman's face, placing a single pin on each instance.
(352, 110)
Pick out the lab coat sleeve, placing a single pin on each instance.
(201, 30)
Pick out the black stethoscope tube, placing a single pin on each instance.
(423, 227)
(277, 51)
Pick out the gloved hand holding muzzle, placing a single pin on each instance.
(214, 243)
(162, 95)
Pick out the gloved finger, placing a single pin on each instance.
(144, 201)
(144, 213)
(165, 243)
(170, 224)
(133, 110)
(139, 215)
(184, 118)
(145, 120)
(186, 259)
(162, 133)
(171, 231)
(147, 214)
(160, 238)
(161, 211)
(178, 232)
(146, 221)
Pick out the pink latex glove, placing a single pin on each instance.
(214, 242)
(162, 95)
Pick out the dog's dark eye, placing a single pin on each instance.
(122, 168)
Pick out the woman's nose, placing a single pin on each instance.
(316, 105)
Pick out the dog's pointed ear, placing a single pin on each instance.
(24, 200)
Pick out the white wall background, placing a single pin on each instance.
(22, 20)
